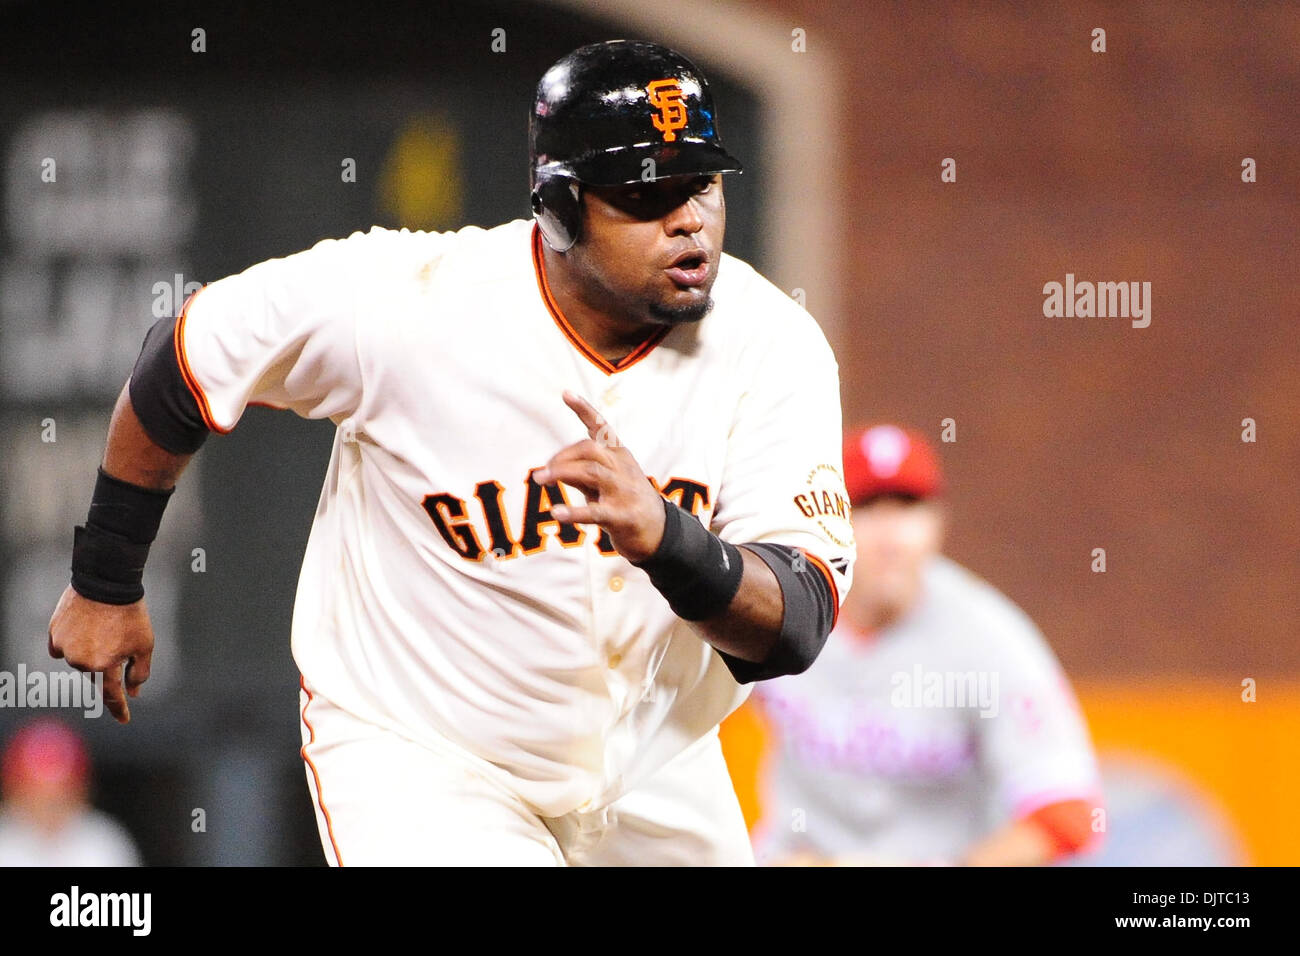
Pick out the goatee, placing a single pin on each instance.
(680, 314)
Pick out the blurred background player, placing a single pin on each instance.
(937, 726)
(46, 818)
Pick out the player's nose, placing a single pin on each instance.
(685, 220)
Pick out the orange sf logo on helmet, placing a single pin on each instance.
(666, 97)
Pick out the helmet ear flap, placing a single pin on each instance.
(557, 207)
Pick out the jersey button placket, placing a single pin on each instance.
(608, 614)
(616, 583)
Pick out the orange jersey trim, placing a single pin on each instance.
(1067, 825)
(320, 797)
(192, 383)
(602, 363)
(824, 568)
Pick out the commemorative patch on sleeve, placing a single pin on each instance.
(826, 501)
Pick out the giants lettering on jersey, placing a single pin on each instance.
(827, 502)
(473, 539)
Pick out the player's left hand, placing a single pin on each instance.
(620, 497)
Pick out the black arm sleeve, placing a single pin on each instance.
(161, 399)
(809, 615)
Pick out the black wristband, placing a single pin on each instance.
(693, 568)
(110, 550)
(106, 567)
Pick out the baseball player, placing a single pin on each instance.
(937, 726)
(585, 489)
(47, 818)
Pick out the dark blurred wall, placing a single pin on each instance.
(179, 167)
(1083, 433)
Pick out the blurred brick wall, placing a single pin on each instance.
(1080, 433)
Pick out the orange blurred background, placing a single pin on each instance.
(1236, 758)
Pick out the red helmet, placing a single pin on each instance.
(44, 750)
(887, 459)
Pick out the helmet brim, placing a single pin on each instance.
(629, 164)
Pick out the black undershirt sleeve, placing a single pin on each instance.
(809, 615)
(161, 399)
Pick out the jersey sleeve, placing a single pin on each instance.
(1035, 746)
(782, 481)
(281, 333)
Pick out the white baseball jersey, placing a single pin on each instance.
(89, 838)
(913, 743)
(438, 596)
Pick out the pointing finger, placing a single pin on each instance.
(597, 427)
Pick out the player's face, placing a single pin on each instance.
(48, 802)
(895, 538)
(652, 249)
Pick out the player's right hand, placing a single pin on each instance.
(103, 639)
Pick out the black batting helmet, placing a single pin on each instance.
(617, 112)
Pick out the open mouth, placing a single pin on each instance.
(689, 270)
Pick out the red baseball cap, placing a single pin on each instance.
(887, 459)
(45, 750)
